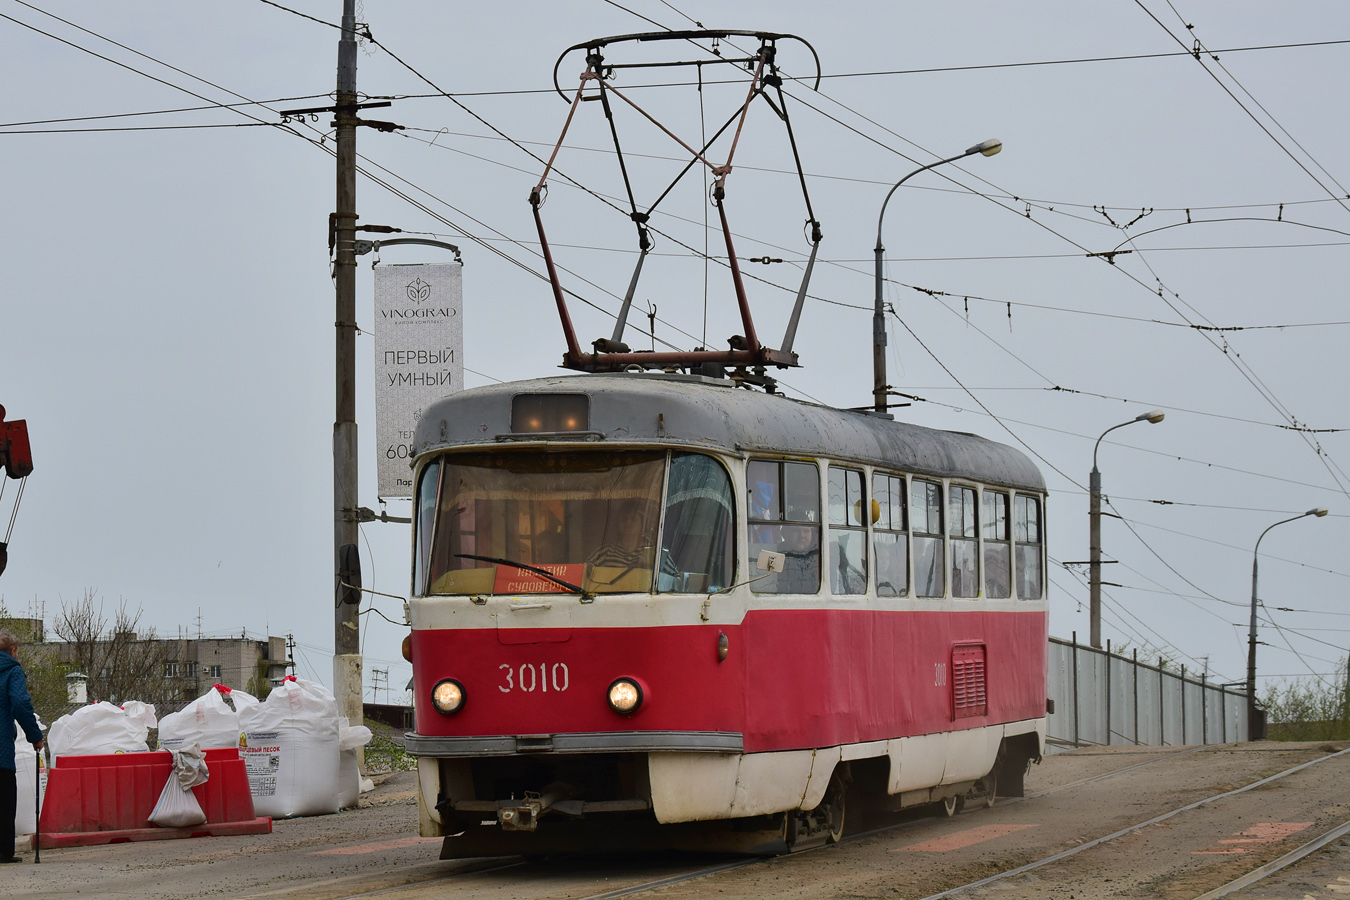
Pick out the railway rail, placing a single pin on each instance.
(482, 878)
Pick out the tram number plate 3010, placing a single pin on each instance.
(530, 677)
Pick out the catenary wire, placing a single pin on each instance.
(160, 112)
(1214, 55)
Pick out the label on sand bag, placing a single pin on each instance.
(262, 760)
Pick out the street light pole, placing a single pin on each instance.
(879, 385)
(1153, 417)
(1252, 731)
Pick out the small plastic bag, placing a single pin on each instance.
(177, 806)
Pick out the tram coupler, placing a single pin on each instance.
(525, 817)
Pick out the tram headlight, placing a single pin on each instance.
(448, 696)
(625, 696)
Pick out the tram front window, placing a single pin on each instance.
(697, 544)
(589, 519)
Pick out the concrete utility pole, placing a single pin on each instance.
(347, 679)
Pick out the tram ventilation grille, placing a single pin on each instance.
(969, 688)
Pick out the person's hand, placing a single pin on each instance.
(39, 745)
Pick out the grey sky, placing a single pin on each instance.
(167, 315)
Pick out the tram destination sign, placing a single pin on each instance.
(419, 344)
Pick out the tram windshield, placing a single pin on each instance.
(593, 519)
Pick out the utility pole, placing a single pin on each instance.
(347, 679)
(379, 678)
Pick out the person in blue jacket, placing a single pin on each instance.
(15, 707)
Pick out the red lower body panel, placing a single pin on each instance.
(792, 679)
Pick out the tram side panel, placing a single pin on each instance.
(793, 679)
(823, 687)
(822, 678)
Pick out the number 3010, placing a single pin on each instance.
(526, 678)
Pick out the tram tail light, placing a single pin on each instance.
(407, 647)
(625, 696)
(448, 696)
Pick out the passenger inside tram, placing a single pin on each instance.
(801, 572)
(626, 549)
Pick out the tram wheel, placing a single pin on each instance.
(990, 788)
(835, 805)
(952, 805)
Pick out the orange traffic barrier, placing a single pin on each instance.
(101, 799)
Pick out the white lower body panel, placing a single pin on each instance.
(691, 787)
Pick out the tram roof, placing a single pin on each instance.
(712, 414)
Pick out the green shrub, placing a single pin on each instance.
(1311, 709)
(385, 754)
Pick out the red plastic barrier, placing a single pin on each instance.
(117, 792)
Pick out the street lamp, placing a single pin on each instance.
(1153, 417)
(879, 386)
(1252, 730)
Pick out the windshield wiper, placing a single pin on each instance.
(586, 596)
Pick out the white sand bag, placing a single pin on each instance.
(177, 806)
(350, 739)
(290, 747)
(103, 728)
(25, 771)
(212, 720)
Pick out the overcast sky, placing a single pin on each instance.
(166, 326)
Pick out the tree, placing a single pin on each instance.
(121, 659)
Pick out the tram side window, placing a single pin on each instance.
(997, 558)
(427, 489)
(1027, 530)
(963, 527)
(784, 507)
(925, 519)
(697, 546)
(889, 541)
(848, 532)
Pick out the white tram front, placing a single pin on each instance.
(657, 610)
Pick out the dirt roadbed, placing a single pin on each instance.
(1074, 800)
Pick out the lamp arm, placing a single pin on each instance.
(882, 215)
(1104, 434)
(1281, 522)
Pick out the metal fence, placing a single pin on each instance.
(1104, 698)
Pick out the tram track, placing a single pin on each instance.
(1131, 829)
(1270, 868)
(429, 886)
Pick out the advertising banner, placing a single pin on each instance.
(419, 341)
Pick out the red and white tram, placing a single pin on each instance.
(642, 601)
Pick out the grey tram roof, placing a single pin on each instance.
(703, 413)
